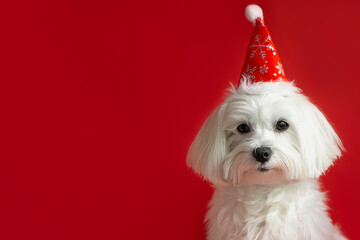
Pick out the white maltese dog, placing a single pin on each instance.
(263, 150)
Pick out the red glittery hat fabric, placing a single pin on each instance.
(262, 63)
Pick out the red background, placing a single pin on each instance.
(100, 100)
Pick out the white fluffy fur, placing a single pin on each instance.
(284, 202)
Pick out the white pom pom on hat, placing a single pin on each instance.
(252, 12)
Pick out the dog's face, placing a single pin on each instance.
(264, 133)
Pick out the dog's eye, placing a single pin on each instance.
(282, 125)
(243, 128)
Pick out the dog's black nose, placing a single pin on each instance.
(262, 154)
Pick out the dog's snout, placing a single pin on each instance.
(262, 154)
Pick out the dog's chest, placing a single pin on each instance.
(264, 213)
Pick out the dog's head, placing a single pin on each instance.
(264, 133)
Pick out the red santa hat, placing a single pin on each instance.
(262, 63)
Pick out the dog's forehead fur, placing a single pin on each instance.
(254, 103)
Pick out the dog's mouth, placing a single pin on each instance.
(263, 169)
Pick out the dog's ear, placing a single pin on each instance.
(319, 143)
(208, 150)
